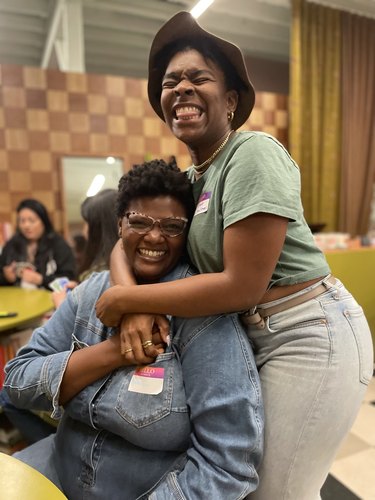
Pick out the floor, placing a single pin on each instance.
(352, 474)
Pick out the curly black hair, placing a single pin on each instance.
(155, 178)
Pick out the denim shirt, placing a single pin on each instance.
(199, 436)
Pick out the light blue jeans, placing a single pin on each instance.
(315, 361)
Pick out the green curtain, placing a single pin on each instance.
(358, 124)
(315, 108)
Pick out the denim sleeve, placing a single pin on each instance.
(33, 377)
(223, 395)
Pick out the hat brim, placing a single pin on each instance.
(183, 25)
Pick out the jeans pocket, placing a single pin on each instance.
(140, 408)
(359, 326)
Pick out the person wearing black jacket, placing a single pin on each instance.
(36, 254)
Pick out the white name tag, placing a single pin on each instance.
(147, 380)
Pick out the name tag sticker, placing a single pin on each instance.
(147, 380)
(202, 205)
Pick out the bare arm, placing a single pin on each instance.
(251, 250)
(120, 271)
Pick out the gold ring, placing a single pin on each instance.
(127, 350)
(148, 343)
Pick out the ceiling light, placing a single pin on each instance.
(96, 185)
(200, 7)
(110, 160)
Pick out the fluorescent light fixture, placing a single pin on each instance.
(96, 185)
(200, 7)
(110, 160)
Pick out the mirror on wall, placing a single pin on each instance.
(84, 176)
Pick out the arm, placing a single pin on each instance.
(223, 395)
(63, 356)
(120, 271)
(90, 364)
(33, 377)
(8, 276)
(242, 283)
(7, 266)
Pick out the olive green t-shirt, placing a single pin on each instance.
(254, 173)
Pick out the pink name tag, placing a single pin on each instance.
(203, 202)
(147, 380)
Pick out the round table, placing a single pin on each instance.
(30, 305)
(20, 481)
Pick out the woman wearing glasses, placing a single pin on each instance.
(166, 430)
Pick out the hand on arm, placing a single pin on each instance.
(135, 330)
(251, 250)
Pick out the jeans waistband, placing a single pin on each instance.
(256, 315)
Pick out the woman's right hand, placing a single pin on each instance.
(140, 329)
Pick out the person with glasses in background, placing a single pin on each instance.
(166, 429)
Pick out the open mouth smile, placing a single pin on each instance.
(186, 113)
(153, 254)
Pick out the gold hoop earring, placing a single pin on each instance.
(230, 116)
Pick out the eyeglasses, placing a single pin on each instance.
(142, 224)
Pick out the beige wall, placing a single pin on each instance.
(46, 114)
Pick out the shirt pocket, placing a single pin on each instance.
(142, 410)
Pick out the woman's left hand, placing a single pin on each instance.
(143, 336)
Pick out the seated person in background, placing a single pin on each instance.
(191, 423)
(101, 230)
(101, 234)
(36, 254)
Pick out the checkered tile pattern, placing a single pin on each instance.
(46, 114)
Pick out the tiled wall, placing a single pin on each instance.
(46, 114)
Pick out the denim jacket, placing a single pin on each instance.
(199, 434)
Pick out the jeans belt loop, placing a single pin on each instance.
(255, 316)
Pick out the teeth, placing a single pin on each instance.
(151, 253)
(187, 109)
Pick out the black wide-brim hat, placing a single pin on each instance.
(183, 26)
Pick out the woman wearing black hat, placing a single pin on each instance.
(36, 254)
(255, 253)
